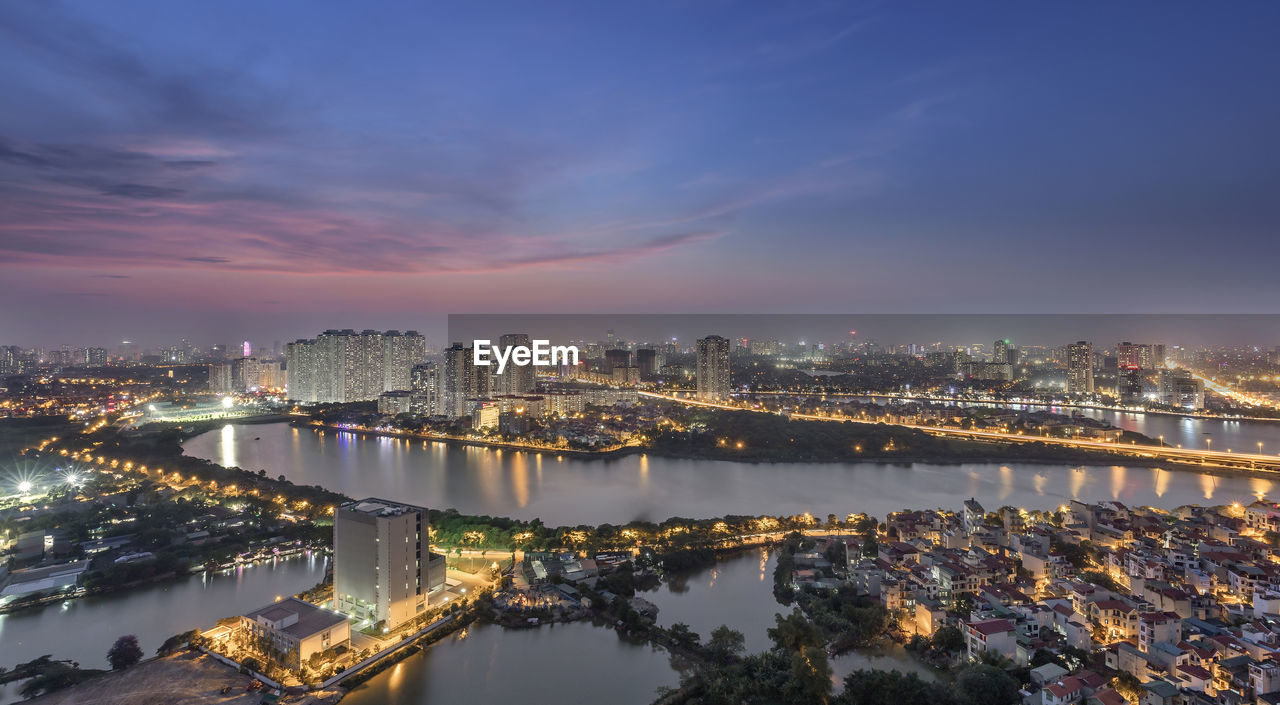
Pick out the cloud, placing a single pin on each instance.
(206, 260)
(142, 191)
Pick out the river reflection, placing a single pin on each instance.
(563, 663)
(83, 629)
(568, 491)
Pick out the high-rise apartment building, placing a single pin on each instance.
(1179, 389)
(383, 570)
(427, 387)
(647, 362)
(515, 379)
(463, 380)
(401, 352)
(346, 366)
(1080, 368)
(96, 357)
(614, 358)
(1131, 360)
(713, 368)
(1000, 352)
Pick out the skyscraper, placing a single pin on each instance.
(515, 379)
(1000, 352)
(647, 362)
(713, 368)
(616, 357)
(463, 380)
(1131, 360)
(401, 351)
(427, 387)
(1080, 368)
(383, 570)
(346, 366)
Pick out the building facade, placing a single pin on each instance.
(381, 561)
(1080, 368)
(713, 368)
(346, 366)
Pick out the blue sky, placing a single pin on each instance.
(264, 169)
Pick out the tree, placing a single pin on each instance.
(986, 685)
(725, 644)
(1128, 685)
(949, 639)
(684, 636)
(124, 653)
(795, 631)
(177, 641)
(809, 680)
(869, 687)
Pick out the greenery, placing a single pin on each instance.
(1098, 577)
(124, 653)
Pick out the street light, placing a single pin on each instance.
(24, 487)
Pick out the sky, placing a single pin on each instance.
(250, 170)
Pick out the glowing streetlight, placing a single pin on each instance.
(228, 402)
(24, 487)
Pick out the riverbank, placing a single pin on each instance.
(1051, 456)
(1014, 404)
(189, 678)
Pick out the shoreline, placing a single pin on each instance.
(1014, 404)
(1100, 460)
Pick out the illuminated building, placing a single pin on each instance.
(713, 368)
(346, 366)
(515, 379)
(1129, 358)
(1000, 352)
(383, 570)
(1080, 368)
(1179, 389)
(463, 380)
(425, 383)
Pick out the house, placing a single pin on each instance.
(997, 636)
(1118, 618)
(1159, 692)
(298, 629)
(1048, 673)
(1107, 696)
(1155, 627)
(1067, 691)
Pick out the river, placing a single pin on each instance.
(584, 663)
(83, 629)
(1184, 431)
(571, 491)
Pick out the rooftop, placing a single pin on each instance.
(381, 507)
(310, 618)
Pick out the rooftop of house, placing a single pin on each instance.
(296, 618)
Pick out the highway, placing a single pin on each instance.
(1213, 458)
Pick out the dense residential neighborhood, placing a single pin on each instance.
(1148, 606)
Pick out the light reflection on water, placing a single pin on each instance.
(574, 491)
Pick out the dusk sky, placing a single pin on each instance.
(266, 170)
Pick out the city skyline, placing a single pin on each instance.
(169, 174)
